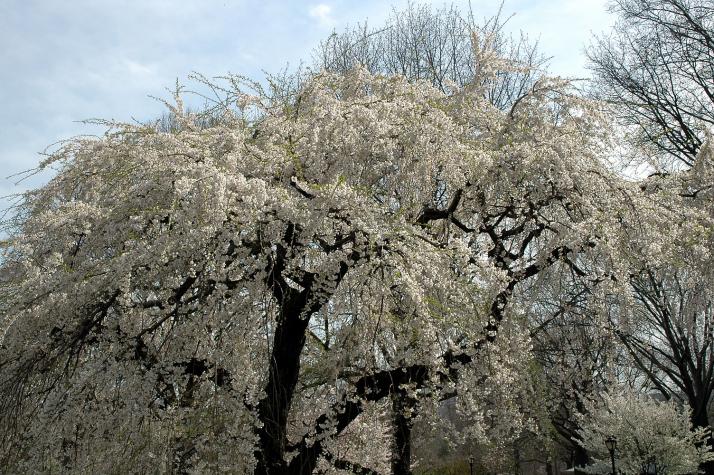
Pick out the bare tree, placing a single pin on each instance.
(437, 46)
(674, 339)
(657, 68)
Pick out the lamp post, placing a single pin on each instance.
(611, 444)
(471, 464)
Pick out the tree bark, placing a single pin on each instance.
(274, 408)
(402, 406)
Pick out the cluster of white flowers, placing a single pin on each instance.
(646, 432)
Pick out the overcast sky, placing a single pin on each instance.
(62, 61)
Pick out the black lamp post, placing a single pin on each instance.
(471, 464)
(611, 444)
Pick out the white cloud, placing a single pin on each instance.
(137, 68)
(322, 12)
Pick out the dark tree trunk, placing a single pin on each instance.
(402, 406)
(580, 456)
(283, 374)
(296, 307)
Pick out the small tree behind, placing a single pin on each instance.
(646, 431)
